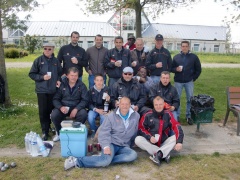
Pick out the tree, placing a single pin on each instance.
(9, 18)
(31, 42)
(154, 7)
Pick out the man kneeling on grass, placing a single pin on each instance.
(115, 136)
(159, 133)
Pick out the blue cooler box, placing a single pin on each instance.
(73, 141)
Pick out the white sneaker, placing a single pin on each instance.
(70, 162)
(56, 138)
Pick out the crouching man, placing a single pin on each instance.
(115, 136)
(159, 133)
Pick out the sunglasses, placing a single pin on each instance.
(47, 49)
(129, 74)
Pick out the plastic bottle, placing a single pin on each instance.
(27, 142)
(34, 145)
(106, 105)
(41, 147)
(30, 143)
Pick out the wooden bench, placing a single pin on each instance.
(233, 98)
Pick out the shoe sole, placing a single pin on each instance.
(167, 159)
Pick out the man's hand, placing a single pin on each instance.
(46, 77)
(172, 108)
(100, 111)
(159, 65)
(73, 113)
(153, 140)
(58, 84)
(74, 60)
(135, 108)
(64, 109)
(178, 147)
(178, 69)
(107, 150)
(118, 64)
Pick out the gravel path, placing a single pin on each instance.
(205, 65)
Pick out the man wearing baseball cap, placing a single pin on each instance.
(46, 71)
(131, 43)
(159, 59)
(131, 88)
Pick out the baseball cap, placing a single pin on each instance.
(128, 70)
(131, 37)
(48, 45)
(158, 37)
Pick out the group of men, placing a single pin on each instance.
(61, 92)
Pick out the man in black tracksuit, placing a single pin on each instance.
(158, 60)
(71, 100)
(72, 55)
(165, 90)
(46, 84)
(131, 88)
(112, 64)
(187, 69)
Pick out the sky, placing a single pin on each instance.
(206, 13)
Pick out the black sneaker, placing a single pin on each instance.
(167, 159)
(156, 158)
(189, 121)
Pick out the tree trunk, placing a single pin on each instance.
(3, 65)
(138, 10)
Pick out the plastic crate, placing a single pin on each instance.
(205, 116)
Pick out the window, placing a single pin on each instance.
(80, 43)
(179, 46)
(196, 47)
(169, 46)
(16, 41)
(105, 44)
(90, 43)
(216, 48)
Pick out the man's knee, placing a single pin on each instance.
(139, 140)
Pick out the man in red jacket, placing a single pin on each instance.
(159, 133)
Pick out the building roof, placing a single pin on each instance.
(190, 32)
(65, 28)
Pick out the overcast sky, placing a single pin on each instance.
(205, 13)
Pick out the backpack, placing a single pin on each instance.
(2, 89)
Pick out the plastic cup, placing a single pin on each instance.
(120, 61)
(104, 95)
(49, 74)
(67, 108)
(134, 63)
(181, 67)
(157, 137)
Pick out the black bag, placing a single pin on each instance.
(2, 89)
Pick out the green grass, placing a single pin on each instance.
(198, 167)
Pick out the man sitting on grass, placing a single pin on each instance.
(115, 136)
(159, 133)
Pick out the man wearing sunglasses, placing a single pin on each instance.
(131, 88)
(46, 72)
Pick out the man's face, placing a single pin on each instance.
(139, 45)
(98, 41)
(185, 48)
(72, 77)
(130, 41)
(142, 72)
(127, 76)
(165, 79)
(118, 43)
(158, 105)
(48, 51)
(124, 106)
(158, 43)
(99, 81)
(74, 39)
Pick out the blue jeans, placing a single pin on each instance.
(156, 79)
(92, 119)
(91, 80)
(189, 93)
(119, 154)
